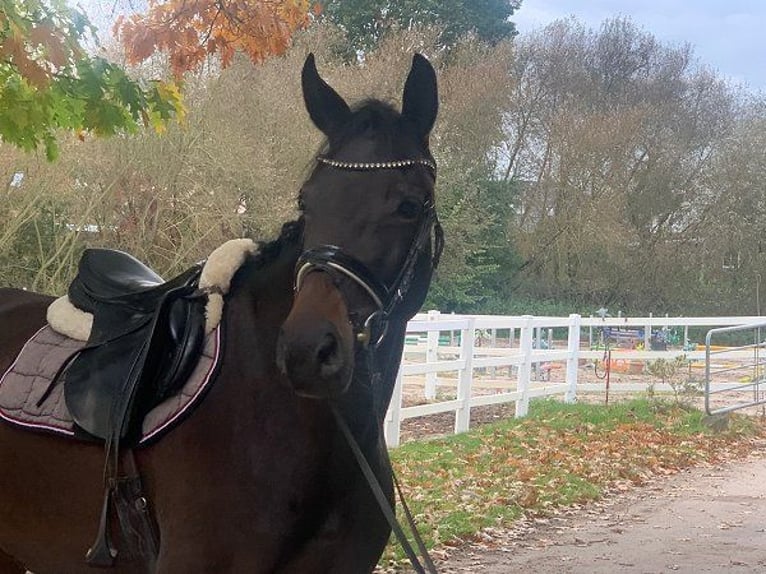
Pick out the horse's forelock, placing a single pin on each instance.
(373, 117)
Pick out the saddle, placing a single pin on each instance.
(146, 338)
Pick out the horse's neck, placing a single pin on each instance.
(259, 302)
(389, 359)
(364, 406)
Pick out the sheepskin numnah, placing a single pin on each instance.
(215, 279)
(25, 381)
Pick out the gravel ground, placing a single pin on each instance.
(706, 519)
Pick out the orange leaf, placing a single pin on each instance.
(189, 31)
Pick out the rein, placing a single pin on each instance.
(385, 505)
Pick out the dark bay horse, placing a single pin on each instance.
(259, 478)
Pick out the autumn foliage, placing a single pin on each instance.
(19, 42)
(189, 31)
(49, 82)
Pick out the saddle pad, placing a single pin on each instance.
(28, 377)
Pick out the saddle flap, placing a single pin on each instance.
(111, 385)
(100, 383)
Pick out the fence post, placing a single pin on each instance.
(536, 345)
(493, 343)
(525, 368)
(511, 341)
(573, 358)
(394, 415)
(463, 412)
(432, 356)
(648, 334)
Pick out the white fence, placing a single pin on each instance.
(461, 354)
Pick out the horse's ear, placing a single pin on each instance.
(420, 102)
(327, 109)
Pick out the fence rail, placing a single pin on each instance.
(749, 388)
(440, 344)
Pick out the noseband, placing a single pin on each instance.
(387, 298)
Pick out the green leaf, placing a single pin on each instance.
(88, 94)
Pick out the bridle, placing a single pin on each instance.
(387, 298)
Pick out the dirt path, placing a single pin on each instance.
(701, 520)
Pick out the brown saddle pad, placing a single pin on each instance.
(25, 381)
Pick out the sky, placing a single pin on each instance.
(726, 35)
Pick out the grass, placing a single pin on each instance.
(560, 455)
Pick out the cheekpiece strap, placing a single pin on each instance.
(366, 166)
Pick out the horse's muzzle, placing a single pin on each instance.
(316, 342)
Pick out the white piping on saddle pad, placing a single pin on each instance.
(220, 267)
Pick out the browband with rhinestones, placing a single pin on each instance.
(377, 165)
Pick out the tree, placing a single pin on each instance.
(236, 164)
(732, 247)
(49, 82)
(189, 32)
(613, 134)
(366, 21)
(475, 86)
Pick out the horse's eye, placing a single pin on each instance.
(409, 209)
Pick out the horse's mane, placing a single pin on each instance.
(269, 251)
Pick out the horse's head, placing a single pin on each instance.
(371, 235)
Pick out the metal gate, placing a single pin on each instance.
(735, 368)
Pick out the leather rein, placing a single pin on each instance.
(371, 333)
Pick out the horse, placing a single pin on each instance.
(260, 477)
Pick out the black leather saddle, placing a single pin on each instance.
(146, 339)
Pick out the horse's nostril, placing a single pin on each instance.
(328, 355)
(315, 362)
(327, 348)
